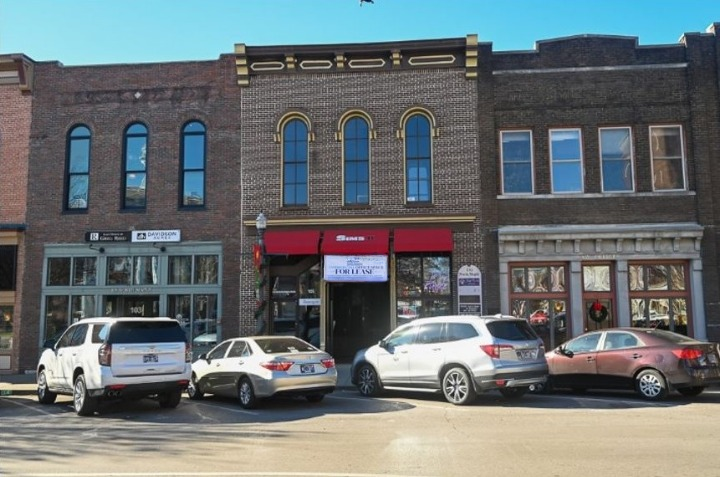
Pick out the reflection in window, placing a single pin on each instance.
(423, 287)
(659, 296)
(180, 269)
(206, 269)
(8, 267)
(56, 315)
(82, 306)
(356, 155)
(516, 157)
(566, 159)
(85, 270)
(616, 157)
(146, 271)
(119, 270)
(418, 173)
(78, 168)
(58, 273)
(668, 157)
(135, 164)
(596, 278)
(6, 327)
(193, 164)
(295, 163)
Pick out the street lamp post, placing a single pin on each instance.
(260, 278)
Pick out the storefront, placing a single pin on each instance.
(344, 289)
(570, 279)
(9, 249)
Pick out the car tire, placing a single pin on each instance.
(457, 387)
(170, 400)
(193, 390)
(368, 383)
(84, 404)
(650, 384)
(315, 397)
(246, 394)
(691, 392)
(513, 393)
(44, 395)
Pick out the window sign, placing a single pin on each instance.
(356, 268)
(469, 290)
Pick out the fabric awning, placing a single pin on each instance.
(356, 242)
(297, 242)
(423, 240)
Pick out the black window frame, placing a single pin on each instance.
(128, 135)
(77, 134)
(185, 170)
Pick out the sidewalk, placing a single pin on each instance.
(18, 384)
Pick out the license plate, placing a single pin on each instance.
(307, 368)
(527, 354)
(150, 358)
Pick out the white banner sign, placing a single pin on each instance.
(156, 236)
(356, 268)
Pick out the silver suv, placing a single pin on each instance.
(459, 356)
(99, 359)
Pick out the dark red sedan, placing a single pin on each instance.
(652, 362)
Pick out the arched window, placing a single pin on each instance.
(193, 165)
(78, 169)
(135, 165)
(295, 163)
(418, 166)
(356, 157)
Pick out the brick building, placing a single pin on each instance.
(572, 185)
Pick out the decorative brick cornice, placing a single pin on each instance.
(17, 69)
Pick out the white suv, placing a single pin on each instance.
(459, 356)
(115, 358)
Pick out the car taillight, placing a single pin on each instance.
(688, 353)
(188, 353)
(105, 355)
(277, 365)
(494, 350)
(328, 363)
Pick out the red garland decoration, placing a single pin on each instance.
(598, 312)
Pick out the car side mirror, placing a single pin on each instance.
(382, 344)
(49, 344)
(566, 352)
(204, 356)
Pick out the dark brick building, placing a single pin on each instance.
(572, 185)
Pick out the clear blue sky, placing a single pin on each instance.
(87, 32)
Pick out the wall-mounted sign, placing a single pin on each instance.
(469, 290)
(309, 302)
(107, 236)
(356, 268)
(155, 236)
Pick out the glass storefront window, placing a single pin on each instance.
(84, 271)
(82, 306)
(596, 278)
(179, 269)
(284, 287)
(659, 296)
(6, 328)
(8, 267)
(118, 270)
(145, 271)
(206, 269)
(58, 273)
(436, 275)
(423, 287)
(56, 315)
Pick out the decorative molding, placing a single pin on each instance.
(471, 56)
(431, 60)
(241, 65)
(364, 220)
(396, 58)
(267, 66)
(367, 63)
(316, 64)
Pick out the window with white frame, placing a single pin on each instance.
(516, 158)
(668, 157)
(566, 160)
(616, 157)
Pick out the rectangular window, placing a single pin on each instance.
(659, 295)
(616, 157)
(516, 158)
(82, 306)
(423, 287)
(206, 269)
(8, 267)
(58, 273)
(56, 315)
(6, 327)
(84, 271)
(180, 270)
(668, 157)
(566, 160)
(119, 270)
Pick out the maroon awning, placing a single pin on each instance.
(298, 242)
(423, 240)
(356, 242)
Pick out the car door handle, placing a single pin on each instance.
(636, 356)
(590, 359)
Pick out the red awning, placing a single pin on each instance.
(356, 242)
(423, 240)
(299, 242)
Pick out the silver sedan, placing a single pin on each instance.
(257, 367)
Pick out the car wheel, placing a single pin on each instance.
(45, 396)
(193, 390)
(170, 400)
(650, 384)
(84, 404)
(314, 397)
(246, 394)
(691, 392)
(368, 382)
(513, 393)
(457, 386)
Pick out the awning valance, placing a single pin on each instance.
(423, 240)
(356, 242)
(298, 242)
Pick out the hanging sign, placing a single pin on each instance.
(356, 268)
(469, 290)
(156, 236)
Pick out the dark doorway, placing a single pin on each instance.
(359, 317)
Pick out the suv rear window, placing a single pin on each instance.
(146, 332)
(512, 330)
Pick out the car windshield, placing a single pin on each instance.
(283, 345)
(512, 330)
(146, 332)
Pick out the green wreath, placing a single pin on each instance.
(597, 312)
